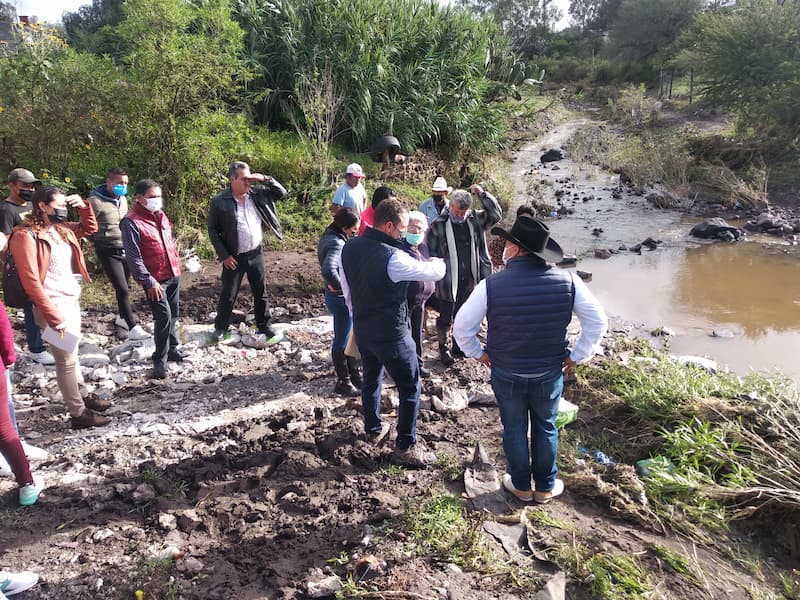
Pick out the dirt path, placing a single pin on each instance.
(246, 462)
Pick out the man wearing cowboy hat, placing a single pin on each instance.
(433, 206)
(528, 307)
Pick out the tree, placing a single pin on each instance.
(647, 30)
(749, 60)
(593, 15)
(89, 28)
(528, 23)
(8, 12)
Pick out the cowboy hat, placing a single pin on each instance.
(534, 236)
(440, 185)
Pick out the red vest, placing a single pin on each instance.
(159, 250)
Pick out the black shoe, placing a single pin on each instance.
(345, 388)
(354, 370)
(445, 356)
(159, 371)
(424, 373)
(268, 331)
(175, 355)
(456, 352)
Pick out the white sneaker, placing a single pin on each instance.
(28, 495)
(120, 322)
(33, 452)
(137, 332)
(15, 583)
(43, 357)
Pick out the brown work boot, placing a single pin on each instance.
(88, 419)
(97, 404)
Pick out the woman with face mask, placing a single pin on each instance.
(329, 251)
(49, 260)
(418, 291)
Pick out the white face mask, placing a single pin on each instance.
(506, 257)
(154, 204)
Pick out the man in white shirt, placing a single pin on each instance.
(237, 218)
(351, 193)
(374, 272)
(528, 307)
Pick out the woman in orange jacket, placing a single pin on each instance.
(48, 258)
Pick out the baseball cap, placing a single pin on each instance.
(355, 170)
(23, 176)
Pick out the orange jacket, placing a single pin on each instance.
(32, 257)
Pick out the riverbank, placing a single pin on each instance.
(247, 463)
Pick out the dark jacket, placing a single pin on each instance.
(222, 217)
(418, 291)
(329, 252)
(479, 222)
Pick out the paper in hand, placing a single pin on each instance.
(61, 339)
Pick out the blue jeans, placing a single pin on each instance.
(341, 320)
(529, 400)
(399, 358)
(32, 332)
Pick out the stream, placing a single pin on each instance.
(738, 304)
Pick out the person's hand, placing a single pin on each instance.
(3, 241)
(229, 263)
(484, 359)
(75, 201)
(260, 177)
(333, 289)
(61, 326)
(476, 189)
(568, 365)
(155, 293)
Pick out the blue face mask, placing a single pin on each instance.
(120, 189)
(414, 238)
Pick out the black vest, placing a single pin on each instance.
(528, 308)
(380, 312)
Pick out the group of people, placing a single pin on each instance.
(136, 242)
(383, 266)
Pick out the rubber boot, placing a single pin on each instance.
(354, 368)
(343, 385)
(444, 352)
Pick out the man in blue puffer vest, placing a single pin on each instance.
(374, 273)
(528, 307)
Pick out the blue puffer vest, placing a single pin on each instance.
(380, 312)
(529, 306)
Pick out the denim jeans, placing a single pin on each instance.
(399, 358)
(32, 332)
(341, 320)
(523, 401)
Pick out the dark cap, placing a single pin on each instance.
(534, 236)
(23, 176)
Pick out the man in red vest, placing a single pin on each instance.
(154, 262)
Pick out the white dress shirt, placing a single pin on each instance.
(402, 267)
(248, 226)
(590, 314)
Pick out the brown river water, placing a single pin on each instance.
(738, 304)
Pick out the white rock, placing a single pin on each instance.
(167, 521)
(102, 534)
(323, 587)
(305, 357)
(119, 378)
(699, 361)
(453, 400)
(144, 493)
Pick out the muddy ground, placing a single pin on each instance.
(247, 463)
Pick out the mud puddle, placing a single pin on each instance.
(738, 304)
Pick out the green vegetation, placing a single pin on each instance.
(677, 562)
(618, 576)
(441, 526)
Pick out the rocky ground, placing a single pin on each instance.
(243, 476)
